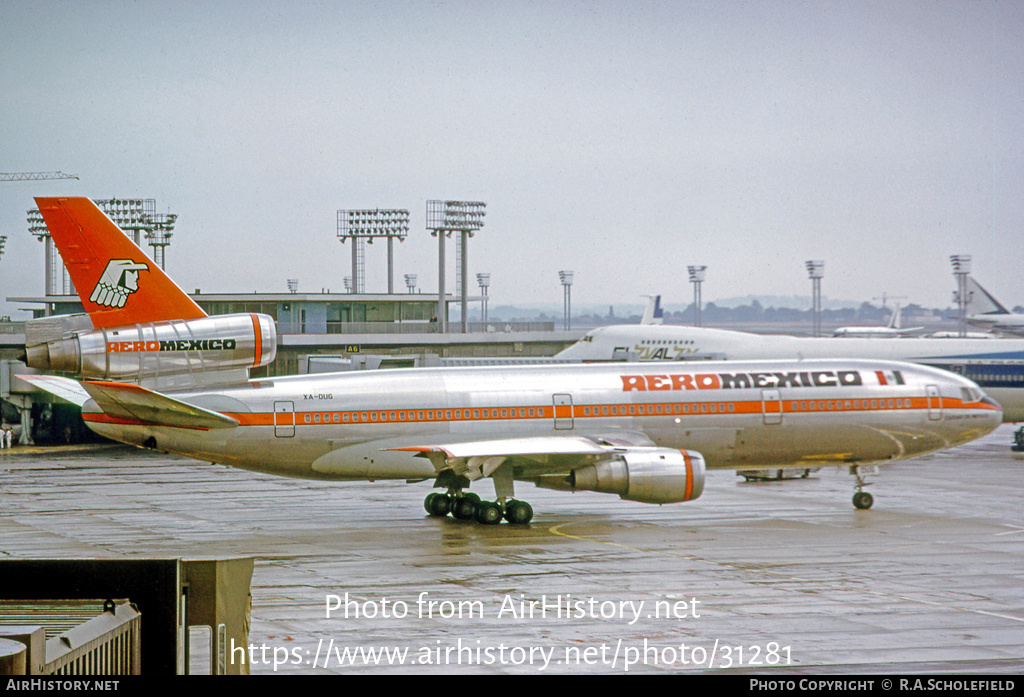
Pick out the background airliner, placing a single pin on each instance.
(983, 310)
(154, 371)
(893, 329)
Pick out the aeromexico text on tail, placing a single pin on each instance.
(151, 374)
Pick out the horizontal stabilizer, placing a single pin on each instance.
(65, 388)
(127, 401)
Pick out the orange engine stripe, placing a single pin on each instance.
(259, 341)
(689, 474)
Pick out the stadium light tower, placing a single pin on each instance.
(566, 278)
(961, 269)
(697, 276)
(366, 225)
(484, 281)
(444, 218)
(816, 271)
(159, 236)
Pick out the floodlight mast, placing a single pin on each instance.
(363, 226)
(961, 269)
(816, 271)
(484, 281)
(697, 276)
(566, 278)
(444, 218)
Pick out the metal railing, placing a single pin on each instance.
(335, 327)
(80, 642)
(106, 645)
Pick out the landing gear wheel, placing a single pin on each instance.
(488, 513)
(464, 508)
(437, 504)
(518, 512)
(862, 500)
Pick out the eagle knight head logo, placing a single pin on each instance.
(119, 280)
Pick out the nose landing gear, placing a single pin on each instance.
(862, 500)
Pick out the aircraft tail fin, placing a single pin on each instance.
(895, 321)
(653, 313)
(981, 302)
(117, 282)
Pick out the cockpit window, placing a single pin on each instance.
(970, 394)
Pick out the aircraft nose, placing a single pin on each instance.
(996, 411)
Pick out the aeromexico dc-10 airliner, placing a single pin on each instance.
(154, 371)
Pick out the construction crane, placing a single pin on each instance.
(34, 176)
(29, 177)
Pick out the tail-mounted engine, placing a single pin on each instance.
(179, 353)
(648, 475)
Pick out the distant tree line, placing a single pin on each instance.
(712, 314)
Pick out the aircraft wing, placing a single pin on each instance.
(128, 401)
(534, 455)
(627, 464)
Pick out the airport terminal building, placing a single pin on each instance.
(316, 332)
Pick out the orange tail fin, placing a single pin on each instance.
(118, 284)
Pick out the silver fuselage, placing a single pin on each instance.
(736, 414)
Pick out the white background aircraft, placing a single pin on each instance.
(893, 329)
(997, 366)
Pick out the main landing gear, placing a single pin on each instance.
(468, 506)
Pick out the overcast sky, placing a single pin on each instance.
(621, 140)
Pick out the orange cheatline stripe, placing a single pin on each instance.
(583, 412)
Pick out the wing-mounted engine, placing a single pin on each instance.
(176, 354)
(648, 475)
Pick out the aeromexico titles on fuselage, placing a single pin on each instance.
(175, 345)
(767, 380)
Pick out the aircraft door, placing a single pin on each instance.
(771, 407)
(934, 402)
(563, 412)
(284, 419)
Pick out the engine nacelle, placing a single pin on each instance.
(161, 350)
(648, 475)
